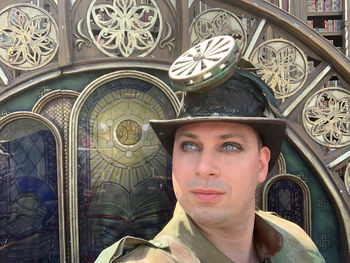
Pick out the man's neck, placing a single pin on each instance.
(235, 242)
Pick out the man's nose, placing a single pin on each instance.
(207, 164)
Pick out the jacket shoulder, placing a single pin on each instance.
(132, 249)
(297, 244)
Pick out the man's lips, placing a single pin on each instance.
(207, 195)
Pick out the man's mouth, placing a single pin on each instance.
(207, 195)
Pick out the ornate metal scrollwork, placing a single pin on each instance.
(282, 65)
(125, 27)
(326, 117)
(81, 38)
(28, 37)
(168, 41)
(217, 22)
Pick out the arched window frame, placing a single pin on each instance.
(73, 146)
(59, 153)
(306, 197)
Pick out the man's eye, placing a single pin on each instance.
(230, 147)
(187, 146)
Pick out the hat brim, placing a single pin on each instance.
(271, 131)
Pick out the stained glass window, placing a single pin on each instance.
(29, 224)
(286, 198)
(124, 185)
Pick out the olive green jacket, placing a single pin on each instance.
(276, 240)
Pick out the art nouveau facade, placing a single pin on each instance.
(80, 166)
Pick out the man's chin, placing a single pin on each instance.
(208, 216)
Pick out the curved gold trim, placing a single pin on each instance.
(82, 66)
(40, 104)
(73, 123)
(306, 199)
(347, 178)
(282, 166)
(59, 151)
(36, 79)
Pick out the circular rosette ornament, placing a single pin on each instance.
(28, 37)
(205, 65)
(125, 28)
(326, 117)
(217, 22)
(282, 65)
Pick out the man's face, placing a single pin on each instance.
(216, 168)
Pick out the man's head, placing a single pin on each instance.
(224, 141)
(242, 99)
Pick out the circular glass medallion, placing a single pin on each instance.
(128, 132)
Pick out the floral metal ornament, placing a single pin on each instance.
(28, 37)
(282, 65)
(217, 22)
(125, 27)
(326, 117)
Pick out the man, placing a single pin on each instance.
(223, 144)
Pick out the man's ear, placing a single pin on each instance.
(263, 163)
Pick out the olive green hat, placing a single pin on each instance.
(241, 97)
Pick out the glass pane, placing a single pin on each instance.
(286, 198)
(124, 176)
(29, 228)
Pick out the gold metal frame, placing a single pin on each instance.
(59, 144)
(73, 188)
(306, 199)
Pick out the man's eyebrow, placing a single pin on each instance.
(230, 135)
(186, 134)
